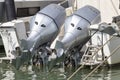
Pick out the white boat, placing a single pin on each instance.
(102, 47)
(107, 14)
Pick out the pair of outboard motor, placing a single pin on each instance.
(46, 25)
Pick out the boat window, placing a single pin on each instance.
(36, 22)
(43, 25)
(27, 11)
(72, 24)
(79, 28)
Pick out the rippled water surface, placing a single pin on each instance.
(8, 72)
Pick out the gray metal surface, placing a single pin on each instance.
(76, 26)
(55, 12)
(76, 30)
(45, 26)
(91, 14)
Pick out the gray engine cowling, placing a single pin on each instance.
(45, 26)
(77, 25)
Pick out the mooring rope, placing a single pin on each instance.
(76, 72)
(113, 52)
(87, 61)
(62, 2)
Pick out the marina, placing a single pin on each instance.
(78, 40)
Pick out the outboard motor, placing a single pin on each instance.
(77, 31)
(44, 27)
(76, 26)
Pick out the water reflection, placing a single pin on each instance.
(8, 72)
(9, 75)
(104, 73)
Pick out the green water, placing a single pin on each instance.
(8, 72)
